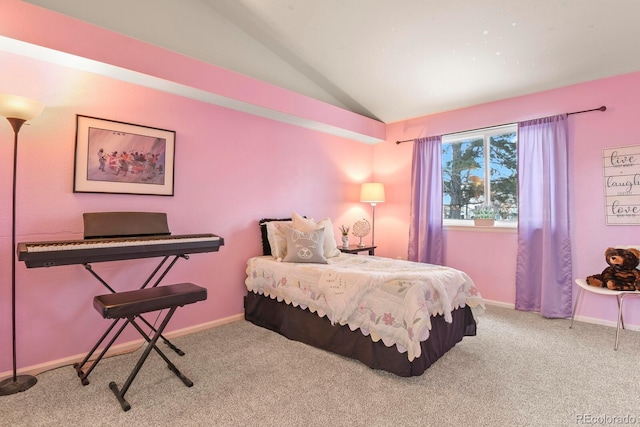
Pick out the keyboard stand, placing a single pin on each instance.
(79, 367)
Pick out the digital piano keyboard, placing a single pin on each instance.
(66, 252)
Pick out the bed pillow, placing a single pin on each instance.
(305, 246)
(276, 235)
(306, 224)
(266, 246)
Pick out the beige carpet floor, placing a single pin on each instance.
(520, 370)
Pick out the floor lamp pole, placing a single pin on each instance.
(373, 224)
(16, 383)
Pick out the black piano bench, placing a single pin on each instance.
(131, 304)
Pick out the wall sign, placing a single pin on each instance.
(622, 185)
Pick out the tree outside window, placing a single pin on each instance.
(479, 170)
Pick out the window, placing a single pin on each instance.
(479, 169)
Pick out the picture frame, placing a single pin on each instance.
(123, 158)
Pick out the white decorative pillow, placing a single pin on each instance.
(277, 236)
(305, 246)
(307, 224)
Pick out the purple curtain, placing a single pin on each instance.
(543, 270)
(425, 220)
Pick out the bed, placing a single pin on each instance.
(394, 315)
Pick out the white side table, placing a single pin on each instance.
(583, 286)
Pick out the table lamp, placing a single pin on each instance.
(372, 192)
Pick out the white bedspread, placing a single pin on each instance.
(391, 300)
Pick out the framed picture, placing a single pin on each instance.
(123, 158)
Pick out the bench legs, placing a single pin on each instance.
(119, 393)
(79, 367)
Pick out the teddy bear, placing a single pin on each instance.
(621, 274)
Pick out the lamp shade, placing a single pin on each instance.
(372, 192)
(19, 107)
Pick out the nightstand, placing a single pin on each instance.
(354, 249)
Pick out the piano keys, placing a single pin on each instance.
(144, 235)
(66, 252)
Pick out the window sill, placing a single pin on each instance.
(499, 227)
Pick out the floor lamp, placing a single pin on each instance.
(372, 192)
(17, 110)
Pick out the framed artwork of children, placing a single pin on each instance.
(123, 158)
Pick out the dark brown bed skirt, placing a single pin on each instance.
(302, 325)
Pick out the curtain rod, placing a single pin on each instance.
(603, 108)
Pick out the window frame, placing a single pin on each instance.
(485, 134)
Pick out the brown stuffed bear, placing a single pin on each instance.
(622, 274)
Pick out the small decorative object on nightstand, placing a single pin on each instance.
(361, 229)
(345, 236)
(355, 249)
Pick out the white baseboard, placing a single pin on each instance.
(499, 304)
(610, 323)
(584, 319)
(120, 348)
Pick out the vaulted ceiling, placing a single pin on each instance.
(388, 60)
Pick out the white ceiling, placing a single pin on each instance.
(388, 59)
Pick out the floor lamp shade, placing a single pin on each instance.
(17, 110)
(19, 107)
(372, 192)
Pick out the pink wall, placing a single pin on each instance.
(489, 257)
(231, 169)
